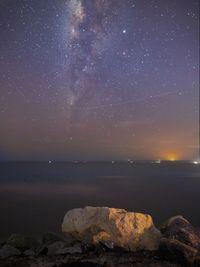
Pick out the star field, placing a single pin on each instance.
(99, 79)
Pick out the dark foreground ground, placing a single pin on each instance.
(95, 259)
(57, 251)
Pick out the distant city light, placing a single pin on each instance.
(172, 159)
(196, 162)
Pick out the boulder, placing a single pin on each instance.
(177, 251)
(48, 239)
(9, 251)
(129, 230)
(180, 229)
(22, 242)
(54, 247)
(52, 242)
(59, 248)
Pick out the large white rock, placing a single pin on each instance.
(132, 231)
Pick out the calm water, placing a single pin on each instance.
(35, 196)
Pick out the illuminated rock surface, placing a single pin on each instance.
(129, 230)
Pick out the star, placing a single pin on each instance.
(124, 31)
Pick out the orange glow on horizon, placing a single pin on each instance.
(171, 156)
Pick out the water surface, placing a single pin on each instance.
(35, 196)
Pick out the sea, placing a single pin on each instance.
(34, 196)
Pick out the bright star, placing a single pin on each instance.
(124, 31)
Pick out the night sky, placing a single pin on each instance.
(99, 79)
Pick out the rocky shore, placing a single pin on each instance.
(107, 237)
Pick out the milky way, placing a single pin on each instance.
(99, 79)
(86, 44)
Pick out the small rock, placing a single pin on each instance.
(177, 251)
(29, 252)
(22, 242)
(8, 251)
(49, 239)
(179, 228)
(70, 240)
(42, 250)
(54, 247)
(69, 250)
(108, 245)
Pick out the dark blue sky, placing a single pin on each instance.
(99, 79)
